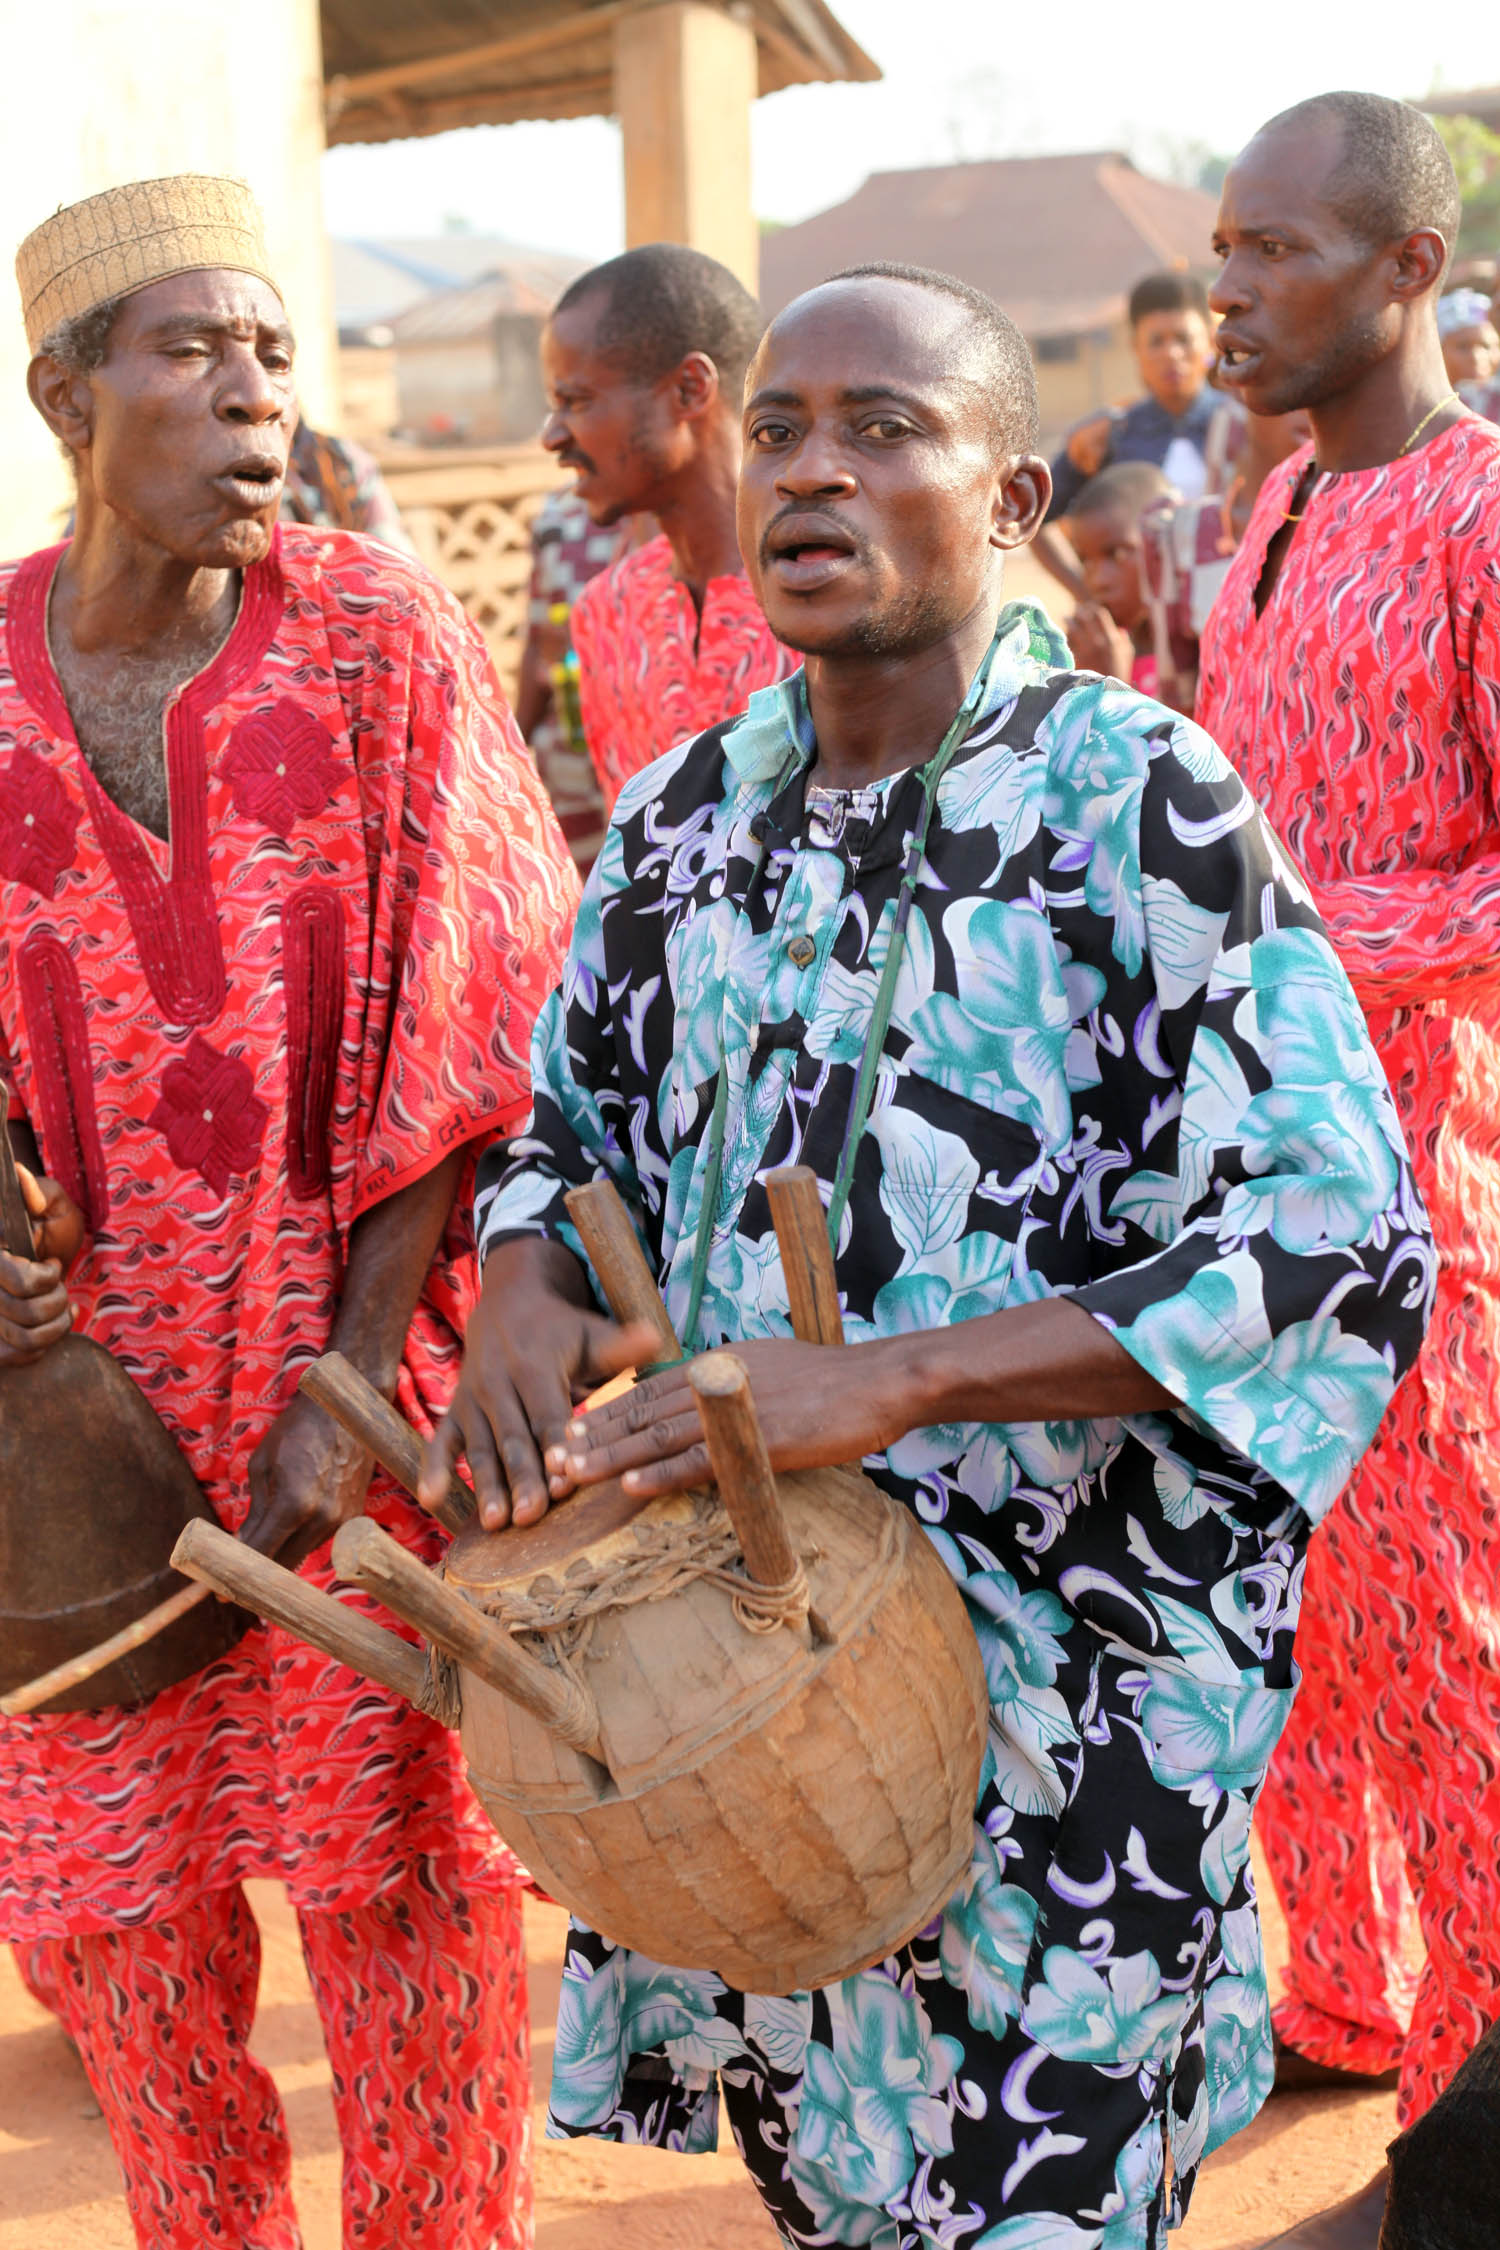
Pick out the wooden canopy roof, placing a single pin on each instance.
(394, 69)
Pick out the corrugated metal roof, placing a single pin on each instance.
(1059, 241)
(398, 68)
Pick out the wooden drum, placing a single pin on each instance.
(737, 1731)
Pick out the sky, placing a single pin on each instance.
(963, 79)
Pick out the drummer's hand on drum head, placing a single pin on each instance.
(818, 1405)
(535, 1345)
(34, 1308)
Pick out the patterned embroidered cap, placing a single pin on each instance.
(128, 237)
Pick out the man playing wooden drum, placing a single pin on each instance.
(279, 899)
(1130, 1260)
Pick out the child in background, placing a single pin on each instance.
(1471, 346)
(1189, 545)
(1110, 631)
(1176, 423)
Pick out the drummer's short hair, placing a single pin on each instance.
(1005, 363)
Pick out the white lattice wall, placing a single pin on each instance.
(469, 514)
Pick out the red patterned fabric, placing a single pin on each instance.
(422, 2004)
(1399, 1716)
(651, 673)
(1363, 709)
(233, 1151)
(281, 767)
(38, 826)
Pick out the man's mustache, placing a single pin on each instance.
(812, 524)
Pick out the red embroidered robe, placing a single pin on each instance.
(230, 1046)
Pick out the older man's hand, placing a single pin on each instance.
(34, 1308)
(307, 1476)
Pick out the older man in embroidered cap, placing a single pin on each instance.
(279, 897)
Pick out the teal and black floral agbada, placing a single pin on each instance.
(1124, 1064)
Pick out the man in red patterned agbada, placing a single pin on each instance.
(1351, 669)
(279, 898)
(645, 359)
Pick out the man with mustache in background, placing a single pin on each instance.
(645, 360)
(1351, 671)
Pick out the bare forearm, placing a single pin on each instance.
(390, 1250)
(1048, 1362)
(531, 1261)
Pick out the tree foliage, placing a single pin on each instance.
(1475, 151)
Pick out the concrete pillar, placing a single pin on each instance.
(685, 76)
(103, 91)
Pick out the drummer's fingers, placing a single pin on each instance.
(492, 1494)
(599, 1454)
(470, 1427)
(514, 1415)
(439, 1458)
(678, 1474)
(658, 1397)
(609, 1350)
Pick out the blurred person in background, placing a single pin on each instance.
(336, 483)
(1172, 425)
(1471, 344)
(645, 358)
(1110, 633)
(567, 549)
(1188, 545)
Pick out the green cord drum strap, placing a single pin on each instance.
(880, 1020)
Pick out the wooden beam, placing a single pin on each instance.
(817, 36)
(543, 38)
(808, 34)
(393, 119)
(685, 77)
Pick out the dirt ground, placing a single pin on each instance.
(59, 2188)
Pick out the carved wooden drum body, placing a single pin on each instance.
(781, 1807)
(739, 1731)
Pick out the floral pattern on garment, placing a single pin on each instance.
(1122, 1063)
(421, 1996)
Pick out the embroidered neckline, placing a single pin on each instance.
(173, 916)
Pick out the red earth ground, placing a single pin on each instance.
(59, 2188)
